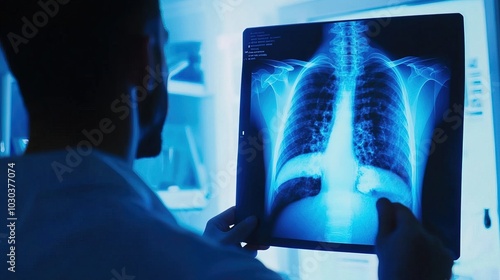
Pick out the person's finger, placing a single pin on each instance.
(224, 220)
(404, 217)
(252, 249)
(386, 217)
(252, 253)
(242, 230)
(256, 247)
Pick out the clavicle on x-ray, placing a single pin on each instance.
(344, 129)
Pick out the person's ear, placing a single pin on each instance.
(138, 60)
(150, 90)
(142, 77)
(151, 98)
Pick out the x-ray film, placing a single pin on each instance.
(336, 115)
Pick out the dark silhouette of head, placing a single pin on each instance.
(89, 70)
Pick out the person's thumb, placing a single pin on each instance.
(242, 230)
(404, 217)
(386, 218)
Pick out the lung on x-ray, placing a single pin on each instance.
(336, 115)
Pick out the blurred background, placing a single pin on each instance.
(195, 175)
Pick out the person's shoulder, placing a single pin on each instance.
(157, 249)
(149, 248)
(113, 226)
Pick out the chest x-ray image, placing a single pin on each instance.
(346, 113)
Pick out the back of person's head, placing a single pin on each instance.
(65, 53)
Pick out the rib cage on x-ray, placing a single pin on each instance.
(381, 135)
(381, 122)
(307, 128)
(312, 114)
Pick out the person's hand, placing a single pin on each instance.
(222, 229)
(405, 250)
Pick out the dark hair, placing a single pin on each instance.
(59, 50)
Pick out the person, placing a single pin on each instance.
(92, 76)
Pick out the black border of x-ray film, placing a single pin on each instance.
(440, 35)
